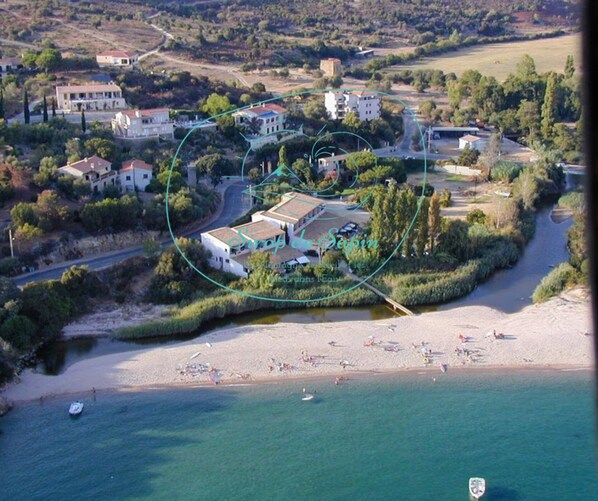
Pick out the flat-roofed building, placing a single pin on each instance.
(444, 132)
(331, 67)
(270, 231)
(292, 213)
(366, 105)
(95, 170)
(227, 245)
(143, 124)
(89, 97)
(117, 58)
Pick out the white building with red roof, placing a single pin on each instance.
(117, 58)
(135, 175)
(95, 170)
(90, 97)
(143, 124)
(472, 142)
(262, 124)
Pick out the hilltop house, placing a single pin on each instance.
(143, 124)
(90, 97)
(366, 105)
(97, 171)
(261, 123)
(134, 175)
(232, 247)
(119, 58)
(10, 65)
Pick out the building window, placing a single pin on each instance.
(145, 176)
(128, 178)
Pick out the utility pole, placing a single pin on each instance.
(12, 251)
(429, 138)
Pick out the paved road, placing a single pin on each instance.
(235, 204)
(409, 129)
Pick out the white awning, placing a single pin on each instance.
(302, 260)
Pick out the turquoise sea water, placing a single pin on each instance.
(405, 437)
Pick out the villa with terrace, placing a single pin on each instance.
(269, 230)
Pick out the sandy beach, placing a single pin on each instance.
(554, 334)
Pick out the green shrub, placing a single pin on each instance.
(6, 370)
(10, 266)
(445, 198)
(476, 216)
(505, 171)
(563, 276)
(49, 305)
(573, 200)
(19, 331)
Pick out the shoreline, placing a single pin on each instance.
(551, 336)
(301, 379)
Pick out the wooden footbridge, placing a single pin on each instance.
(395, 305)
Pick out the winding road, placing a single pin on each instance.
(234, 204)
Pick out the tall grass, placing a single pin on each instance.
(573, 200)
(506, 171)
(563, 276)
(191, 317)
(434, 286)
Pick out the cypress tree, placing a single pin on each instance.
(83, 124)
(1, 104)
(422, 229)
(570, 66)
(549, 107)
(26, 108)
(434, 220)
(45, 110)
(53, 108)
(410, 209)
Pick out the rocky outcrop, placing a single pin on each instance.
(5, 406)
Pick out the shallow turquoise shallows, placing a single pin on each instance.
(405, 437)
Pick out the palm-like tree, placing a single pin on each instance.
(254, 125)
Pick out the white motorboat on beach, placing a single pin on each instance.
(477, 487)
(76, 408)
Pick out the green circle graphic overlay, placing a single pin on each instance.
(315, 153)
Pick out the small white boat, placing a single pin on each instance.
(76, 408)
(477, 487)
(307, 397)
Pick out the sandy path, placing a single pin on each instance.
(551, 334)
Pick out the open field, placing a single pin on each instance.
(499, 60)
(462, 190)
